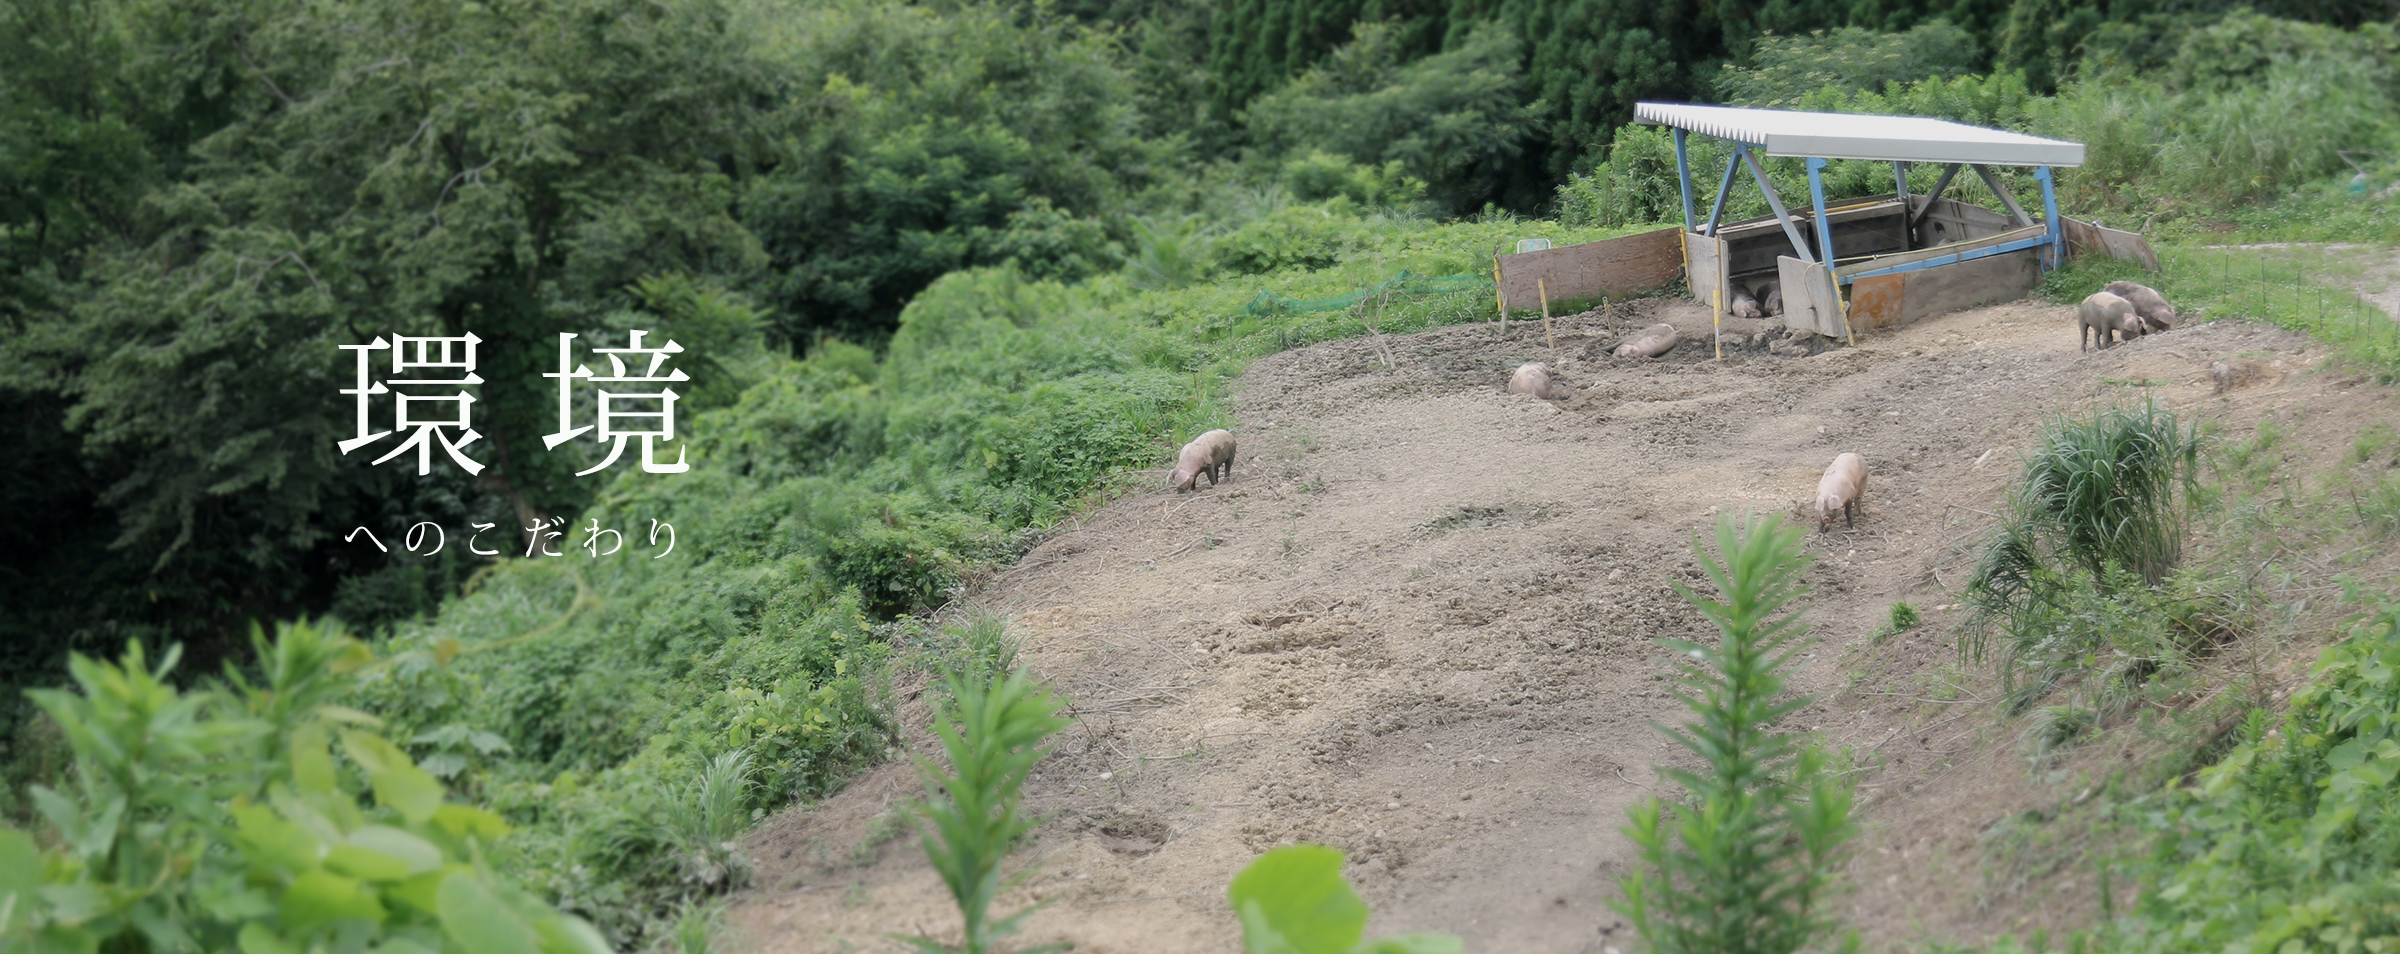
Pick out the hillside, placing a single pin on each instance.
(1419, 625)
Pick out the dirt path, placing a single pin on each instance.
(1419, 625)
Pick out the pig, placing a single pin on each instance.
(1839, 490)
(1211, 454)
(1770, 300)
(1742, 305)
(1533, 379)
(2156, 314)
(2105, 314)
(1655, 340)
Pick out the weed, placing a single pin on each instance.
(992, 732)
(1745, 861)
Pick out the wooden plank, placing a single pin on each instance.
(1809, 301)
(1903, 258)
(1707, 257)
(1949, 220)
(2004, 277)
(2087, 238)
(1618, 266)
(1876, 301)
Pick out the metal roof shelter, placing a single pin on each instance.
(1899, 140)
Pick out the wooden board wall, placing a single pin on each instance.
(1888, 301)
(1809, 300)
(1707, 267)
(2085, 238)
(1618, 266)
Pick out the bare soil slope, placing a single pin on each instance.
(1420, 624)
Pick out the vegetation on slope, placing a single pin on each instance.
(944, 273)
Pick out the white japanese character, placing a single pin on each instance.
(622, 413)
(428, 416)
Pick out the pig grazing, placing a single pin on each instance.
(2147, 302)
(2105, 314)
(1742, 306)
(1655, 340)
(1533, 379)
(1211, 454)
(1839, 490)
(1770, 300)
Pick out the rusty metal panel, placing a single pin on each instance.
(1876, 301)
(1618, 266)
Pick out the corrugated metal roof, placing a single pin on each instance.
(1851, 136)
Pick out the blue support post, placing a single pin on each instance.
(1816, 198)
(1723, 188)
(2058, 232)
(1683, 174)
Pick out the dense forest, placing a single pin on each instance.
(938, 270)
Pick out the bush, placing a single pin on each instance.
(1784, 69)
(221, 819)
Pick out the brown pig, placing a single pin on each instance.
(2156, 314)
(1211, 454)
(1533, 379)
(1655, 340)
(1839, 490)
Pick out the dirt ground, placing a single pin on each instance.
(1420, 624)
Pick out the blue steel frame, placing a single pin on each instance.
(2052, 242)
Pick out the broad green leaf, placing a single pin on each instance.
(399, 784)
(334, 713)
(422, 892)
(463, 820)
(73, 904)
(567, 934)
(312, 764)
(319, 896)
(1413, 944)
(1292, 900)
(20, 867)
(271, 842)
(474, 916)
(365, 864)
(59, 939)
(418, 854)
(257, 938)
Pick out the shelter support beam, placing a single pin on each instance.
(1992, 182)
(1683, 174)
(1816, 199)
(1938, 186)
(1724, 187)
(2057, 255)
(1908, 240)
(1783, 216)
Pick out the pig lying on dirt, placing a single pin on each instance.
(1742, 305)
(1770, 300)
(2105, 314)
(1838, 490)
(1533, 379)
(2147, 302)
(1655, 340)
(1211, 454)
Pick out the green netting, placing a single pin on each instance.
(1403, 285)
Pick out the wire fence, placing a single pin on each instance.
(1404, 285)
(2242, 282)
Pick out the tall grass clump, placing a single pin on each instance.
(1744, 863)
(992, 732)
(2099, 517)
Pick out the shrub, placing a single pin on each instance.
(221, 819)
(1745, 863)
(993, 733)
